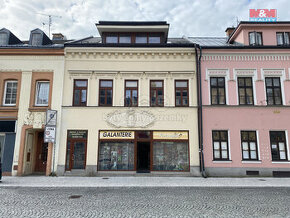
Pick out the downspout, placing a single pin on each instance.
(200, 115)
(199, 102)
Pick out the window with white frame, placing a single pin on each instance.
(249, 145)
(255, 38)
(282, 38)
(278, 145)
(42, 93)
(220, 145)
(10, 93)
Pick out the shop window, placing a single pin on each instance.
(245, 87)
(255, 38)
(170, 156)
(10, 93)
(278, 146)
(282, 38)
(249, 145)
(116, 155)
(80, 92)
(156, 93)
(218, 90)
(220, 145)
(76, 149)
(131, 93)
(42, 93)
(106, 93)
(273, 91)
(181, 93)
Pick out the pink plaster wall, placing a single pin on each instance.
(268, 33)
(235, 118)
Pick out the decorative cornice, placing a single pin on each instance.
(246, 57)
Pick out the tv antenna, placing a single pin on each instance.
(50, 16)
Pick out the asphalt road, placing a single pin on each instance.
(144, 202)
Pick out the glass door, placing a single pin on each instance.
(79, 155)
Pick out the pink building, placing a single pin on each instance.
(246, 100)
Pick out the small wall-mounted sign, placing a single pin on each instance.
(263, 15)
(170, 135)
(49, 134)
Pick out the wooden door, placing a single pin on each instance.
(41, 154)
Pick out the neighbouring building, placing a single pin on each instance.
(246, 100)
(129, 103)
(31, 81)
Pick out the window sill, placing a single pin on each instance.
(222, 161)
(8, 108)
(38, 108)
(251, 161)
(281, 162)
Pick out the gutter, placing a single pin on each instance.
(200, 114)
(199, 101)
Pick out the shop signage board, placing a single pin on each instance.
(117, 135)
(170, 135)
(49, 134)
(263, 15)
(77, 134)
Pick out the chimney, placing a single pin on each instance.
(229, 31)
(58, 36)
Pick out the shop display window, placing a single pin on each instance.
(170, 156)
(116, 156)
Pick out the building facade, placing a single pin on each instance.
(31, 80)
(246, 98)
(130, 103)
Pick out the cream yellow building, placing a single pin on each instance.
(31, 81)
(130, 103)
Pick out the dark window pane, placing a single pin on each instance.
(248, 81)
(154, 39)
(268, 82)
(213, 81)
(276, 82)
(77, 97)
(84, 96)
(125, 39)
(221, 81)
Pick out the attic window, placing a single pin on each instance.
(3, 38)
(36, 39)
(255, 38)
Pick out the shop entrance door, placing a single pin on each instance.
(41, 154)
(143, 157)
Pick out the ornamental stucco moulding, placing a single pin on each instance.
(35, 119)
(130, 118)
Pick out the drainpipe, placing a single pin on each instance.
(200, 115)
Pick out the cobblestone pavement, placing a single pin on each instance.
(144, 202)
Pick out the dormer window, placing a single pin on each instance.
(3, 39)
(133, 38)
(282, 38)
(255, 38)
(36, 39)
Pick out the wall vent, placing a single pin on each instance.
(281, 173)
(252, 173)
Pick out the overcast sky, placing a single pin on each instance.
(78, 17)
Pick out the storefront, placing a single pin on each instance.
(143, 151)
(7, 143)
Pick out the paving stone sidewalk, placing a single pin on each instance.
(42, 181)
